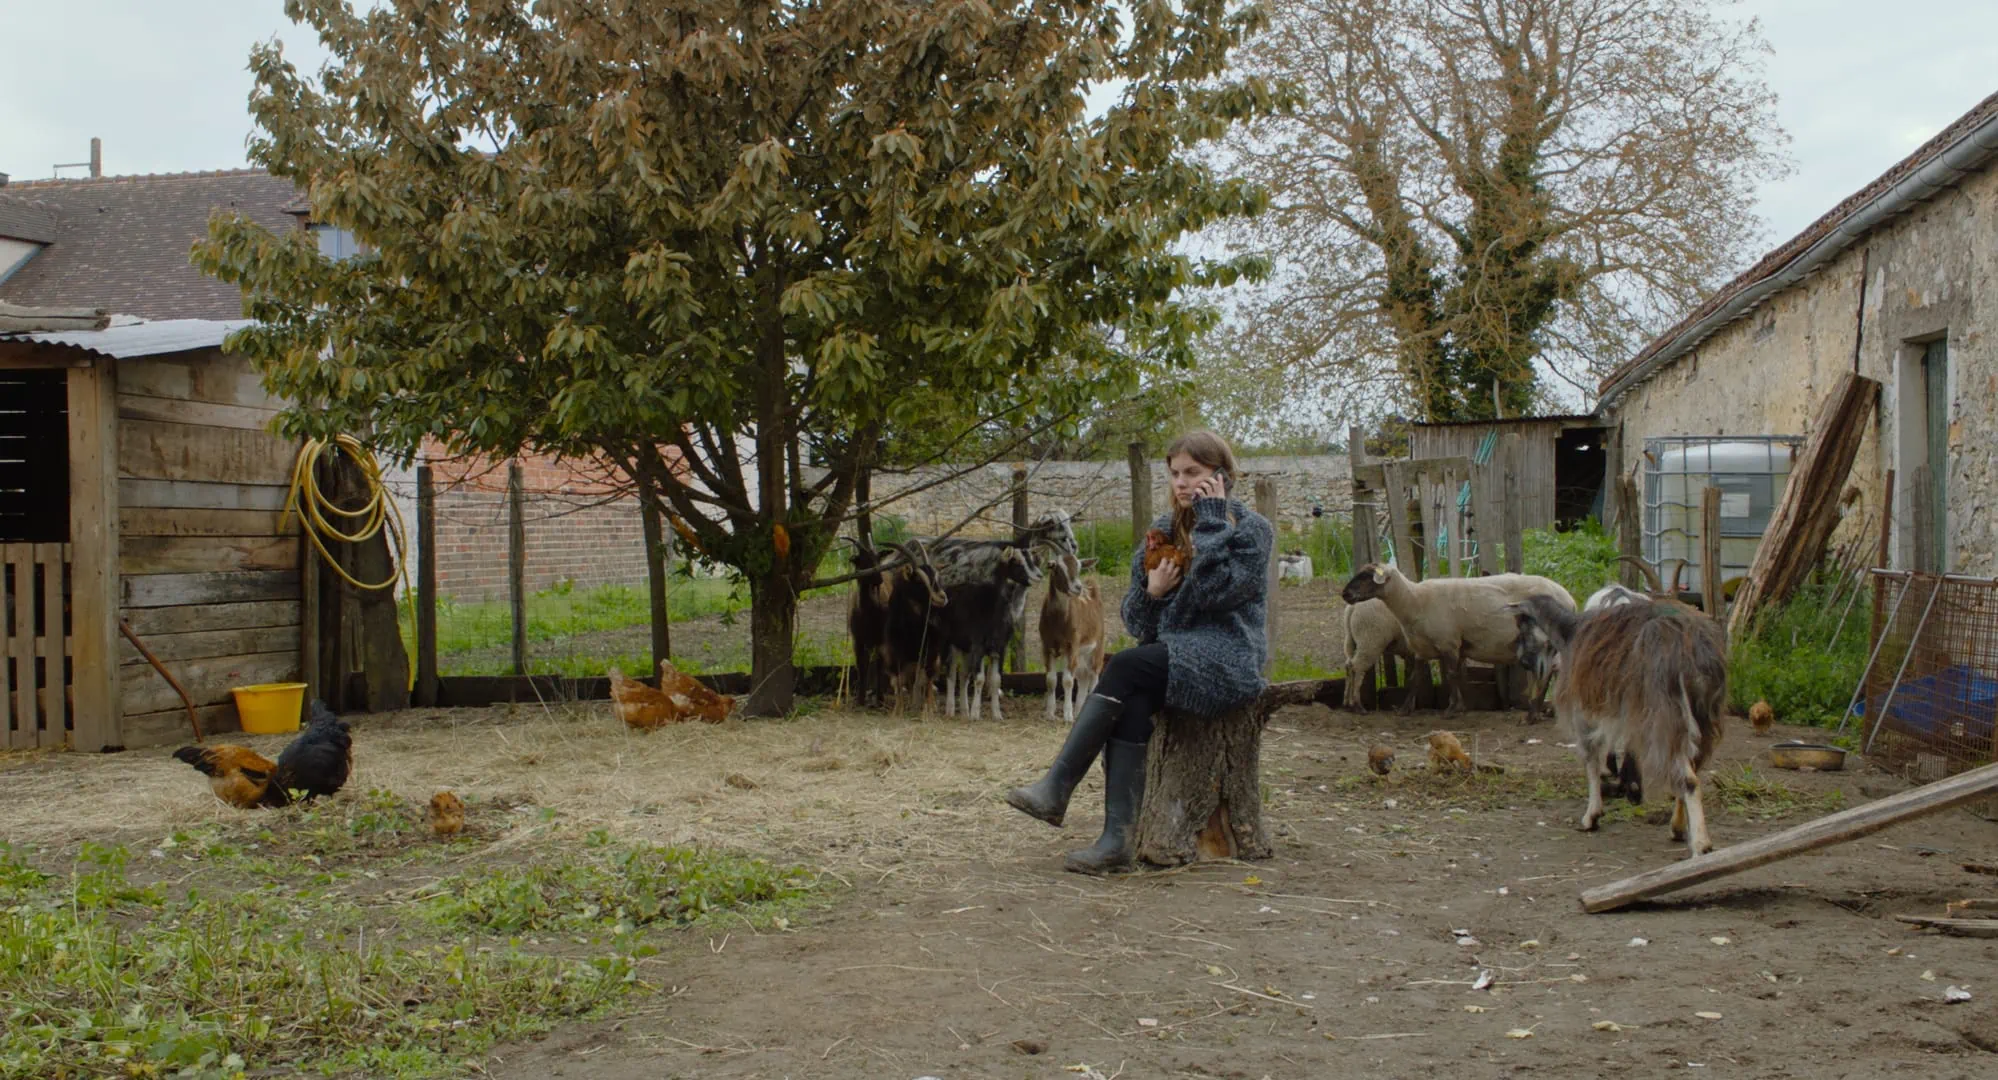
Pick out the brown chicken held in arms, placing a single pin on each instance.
(1380, 759)
(447, 814)
(1761, 717)
(1159, 548)
(316, 763)
(1445, 752)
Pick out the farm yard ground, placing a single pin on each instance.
(930, 931)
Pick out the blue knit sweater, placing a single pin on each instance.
(1212, 624)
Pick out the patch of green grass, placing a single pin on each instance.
(1288, 667)
(1582, 559)
(104, 976)
(1800, 659)
(1110, 543)
(619, 890)
(1740, 789)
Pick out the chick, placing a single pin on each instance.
(1380, 759)
(1761, 717)
(447, 814)
(1445, 752)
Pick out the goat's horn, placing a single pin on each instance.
(1649, 571)
(1678, 570)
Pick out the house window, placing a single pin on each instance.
(336, 244)
(34, 457)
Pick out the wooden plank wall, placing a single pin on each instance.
(209, 570)
(34, 646)
(1535, 467)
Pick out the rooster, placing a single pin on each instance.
(1159, 549)
(316, 763)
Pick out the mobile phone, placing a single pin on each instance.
(1226, 480)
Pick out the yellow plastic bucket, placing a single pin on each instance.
(269, 708)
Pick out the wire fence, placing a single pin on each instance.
(1928, 699)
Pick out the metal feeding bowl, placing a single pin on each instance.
(1802, 755)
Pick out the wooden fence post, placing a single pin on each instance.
(658, 550)
(1266, 505)
(1710, 550)
(1018, 650)
(426, 587)
(516, 562)
(1366, 547)
(1629, 531)
(1141, 491)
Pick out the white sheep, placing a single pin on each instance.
(1370, 634)
(1458, 619)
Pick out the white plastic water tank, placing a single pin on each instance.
(1750, 472)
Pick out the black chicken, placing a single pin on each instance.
(318, 761)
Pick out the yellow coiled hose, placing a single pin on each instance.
(316, 514)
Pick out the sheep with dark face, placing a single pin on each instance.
(1647, 678)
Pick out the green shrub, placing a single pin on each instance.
(1804, 657)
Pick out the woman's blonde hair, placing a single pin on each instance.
(1211, 450)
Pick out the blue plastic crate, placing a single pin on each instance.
(1934, 704)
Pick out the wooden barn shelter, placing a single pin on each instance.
(138, 482)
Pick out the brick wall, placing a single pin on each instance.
(576, 525)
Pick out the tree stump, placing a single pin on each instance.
(1203, 779)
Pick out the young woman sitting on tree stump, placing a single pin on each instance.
(1196, 607)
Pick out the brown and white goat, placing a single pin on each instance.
(1644, 678)
(1071, 633)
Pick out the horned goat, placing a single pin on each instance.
(976, 628)
(1646, 678)
(1370, 634)
(1071, 635)
(909, 652)
(1457, 619)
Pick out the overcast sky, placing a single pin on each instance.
(1861, 83)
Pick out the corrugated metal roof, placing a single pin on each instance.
(128, 340)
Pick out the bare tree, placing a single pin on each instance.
(1471, 193)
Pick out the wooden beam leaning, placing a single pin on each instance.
(1824, 832)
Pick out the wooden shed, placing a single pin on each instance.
(138, 482)
(1563, 460)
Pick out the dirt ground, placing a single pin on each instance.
(952, 944)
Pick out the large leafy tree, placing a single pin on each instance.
(1479, 191)
(714, 240)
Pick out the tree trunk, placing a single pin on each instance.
(1203, 789)
(658, 552)
(773, 619)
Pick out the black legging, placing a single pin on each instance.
(1136, 677)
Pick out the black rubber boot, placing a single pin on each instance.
(1047, 798)
(1123, 793)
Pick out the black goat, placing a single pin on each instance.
(908, 653)
(867, 625)
(1649, 679)
(976, 628)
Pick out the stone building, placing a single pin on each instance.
(1900, 283)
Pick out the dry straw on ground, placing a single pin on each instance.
(845, 791)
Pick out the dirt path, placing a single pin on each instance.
(1343, 954)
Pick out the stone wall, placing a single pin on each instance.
(1767, 373)
(1096, 492)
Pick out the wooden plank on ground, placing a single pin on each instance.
(202, 413)
(201, 644)
(147, 622)
(200, 495)
(1834, 829)
(207, 679)
(1980, 928)
(93, 537)
(172, 590)
(173, 521)
(151, 450)
(1804, 520)
(205, 554)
